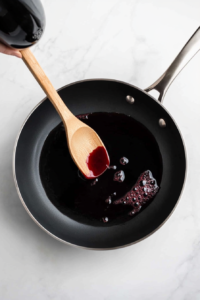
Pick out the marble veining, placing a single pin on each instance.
(133, 41)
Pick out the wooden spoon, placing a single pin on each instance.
(85, 146)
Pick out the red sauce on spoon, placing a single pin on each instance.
(97, 161)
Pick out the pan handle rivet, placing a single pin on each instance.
(162, 123)
(130, 99)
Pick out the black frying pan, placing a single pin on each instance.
(102, 95)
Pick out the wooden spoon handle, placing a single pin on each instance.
(45, 84)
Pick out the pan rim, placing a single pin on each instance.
(36, 221)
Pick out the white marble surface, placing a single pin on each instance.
(130, 40)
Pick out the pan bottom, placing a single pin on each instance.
(92, 202)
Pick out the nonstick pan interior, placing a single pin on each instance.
(99, 96)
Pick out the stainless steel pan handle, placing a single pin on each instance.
(189, 50)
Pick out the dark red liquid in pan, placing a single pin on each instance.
(135, 163)
(97, 162)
